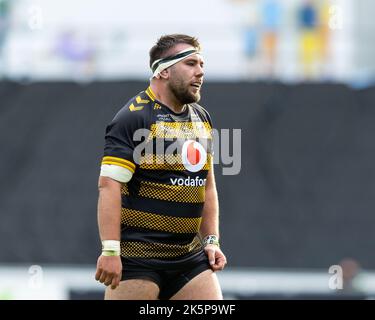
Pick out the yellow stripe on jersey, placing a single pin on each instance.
(150, 93)
(185, 130)
(168, 162)
(124, 189)
(141, 219)
(187, 194)
(158, 250)
(119, 162)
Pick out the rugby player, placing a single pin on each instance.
(158, 211)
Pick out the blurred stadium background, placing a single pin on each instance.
(295, 76)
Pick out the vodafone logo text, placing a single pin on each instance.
(193, 155)
(188, 182)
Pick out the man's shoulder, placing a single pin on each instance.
(200, 110)
(135, 108)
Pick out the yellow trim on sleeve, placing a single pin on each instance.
(119, 164)
(120, 160)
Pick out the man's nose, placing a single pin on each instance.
(200, 72)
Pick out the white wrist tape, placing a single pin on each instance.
(111, 248)
(211, 239)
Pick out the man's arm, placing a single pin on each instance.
(109, 219)
(109, 208)
(210, 223)
(210, 215)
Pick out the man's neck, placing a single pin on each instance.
(166, 97)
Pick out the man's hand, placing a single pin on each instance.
(215, 256)
(108, 270)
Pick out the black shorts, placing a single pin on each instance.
(170, 276)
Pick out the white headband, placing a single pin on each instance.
(164, 63)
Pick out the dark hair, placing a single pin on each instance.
(165, 43)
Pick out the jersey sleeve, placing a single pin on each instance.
(119, 143)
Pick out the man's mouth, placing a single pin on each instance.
(197, 84)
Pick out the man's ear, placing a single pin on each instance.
(164, 74)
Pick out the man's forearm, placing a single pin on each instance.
(109, 210)
(210, 215)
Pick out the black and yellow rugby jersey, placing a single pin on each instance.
(162, 203)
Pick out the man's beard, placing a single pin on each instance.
(182, 93)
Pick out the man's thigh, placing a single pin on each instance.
(205, 286)
(134, 289)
